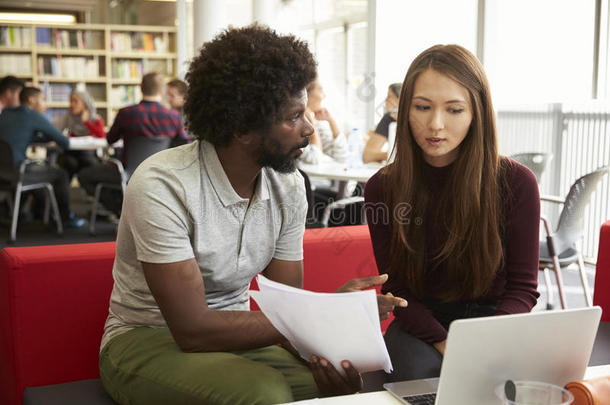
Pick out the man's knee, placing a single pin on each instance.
(270, 387)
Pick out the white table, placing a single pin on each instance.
(91, 142)
(340, 171)
(385, 398)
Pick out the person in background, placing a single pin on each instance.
(33, 98)
(80, 120)
(176, 92)
(149, 118)
(379, 137)
(200, 221)
(10, 88)
(20, 126)
(462, 241)
(327, 138)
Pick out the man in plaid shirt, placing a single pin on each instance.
(149, 118)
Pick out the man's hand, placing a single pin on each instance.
(330, 382)
(385, 303)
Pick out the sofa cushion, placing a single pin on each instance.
(90, 392)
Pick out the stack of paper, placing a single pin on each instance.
(338, 327)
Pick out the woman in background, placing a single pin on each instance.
(80, 120)
(462, 236)
(327, 138)
(377, 139)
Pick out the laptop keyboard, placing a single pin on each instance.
(424, 399)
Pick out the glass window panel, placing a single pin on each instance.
(539, 51)
(406, 28)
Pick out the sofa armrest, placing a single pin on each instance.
(53, 305)
(601, 293)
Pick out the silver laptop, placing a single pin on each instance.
(481, 353)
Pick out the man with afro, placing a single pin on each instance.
(199, 221)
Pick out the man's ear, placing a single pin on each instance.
(247, 138)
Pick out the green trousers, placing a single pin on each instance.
(146, 366)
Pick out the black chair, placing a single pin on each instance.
(559, 250)
(534, 161)
(15, 181)
(137, 149)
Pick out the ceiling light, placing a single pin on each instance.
(38, 18)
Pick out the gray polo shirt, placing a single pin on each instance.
(179, 205)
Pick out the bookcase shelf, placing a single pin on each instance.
(60, 79)
(143, 55)
(79, 52)
(65, 104)
(112, 57)
(14, 49)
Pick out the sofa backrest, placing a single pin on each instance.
(601, 292)
(54, 302)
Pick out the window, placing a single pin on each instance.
(539, 51)
(406, 28)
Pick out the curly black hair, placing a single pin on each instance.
(242, 80)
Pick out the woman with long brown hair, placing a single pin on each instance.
(453, 224)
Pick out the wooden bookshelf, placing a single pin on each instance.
(90, 55)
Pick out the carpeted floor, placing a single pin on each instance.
(36, 233)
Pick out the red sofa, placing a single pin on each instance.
(601, 293)
(54, 302)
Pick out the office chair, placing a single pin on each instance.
(559, 250)
(15, 181)
(534, 161)
(137, 149)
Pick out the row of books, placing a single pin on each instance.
(69, 39)
(125, 94)
(73, 67)
(56, 91)
(15, 36)
(137, 41)
(11, 64)
(135, 69)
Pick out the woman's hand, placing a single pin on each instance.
(385, 303)
(440, 346)
(324, 115)
(330, 382)
(85, 115)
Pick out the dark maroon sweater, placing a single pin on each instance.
(515, 286)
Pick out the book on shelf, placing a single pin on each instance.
(18, 37)
(127, 69)
(125, 95)
(72, 67)
(55, 115)
(136, 68)
(137, 41)
(43, 36)
(56, 91)
(68, 39)
(11, 64)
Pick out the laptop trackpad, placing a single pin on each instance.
(414, 387)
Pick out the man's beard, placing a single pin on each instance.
(270, 155)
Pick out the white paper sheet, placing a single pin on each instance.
(343, 326)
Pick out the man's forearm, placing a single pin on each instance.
(228, 331)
